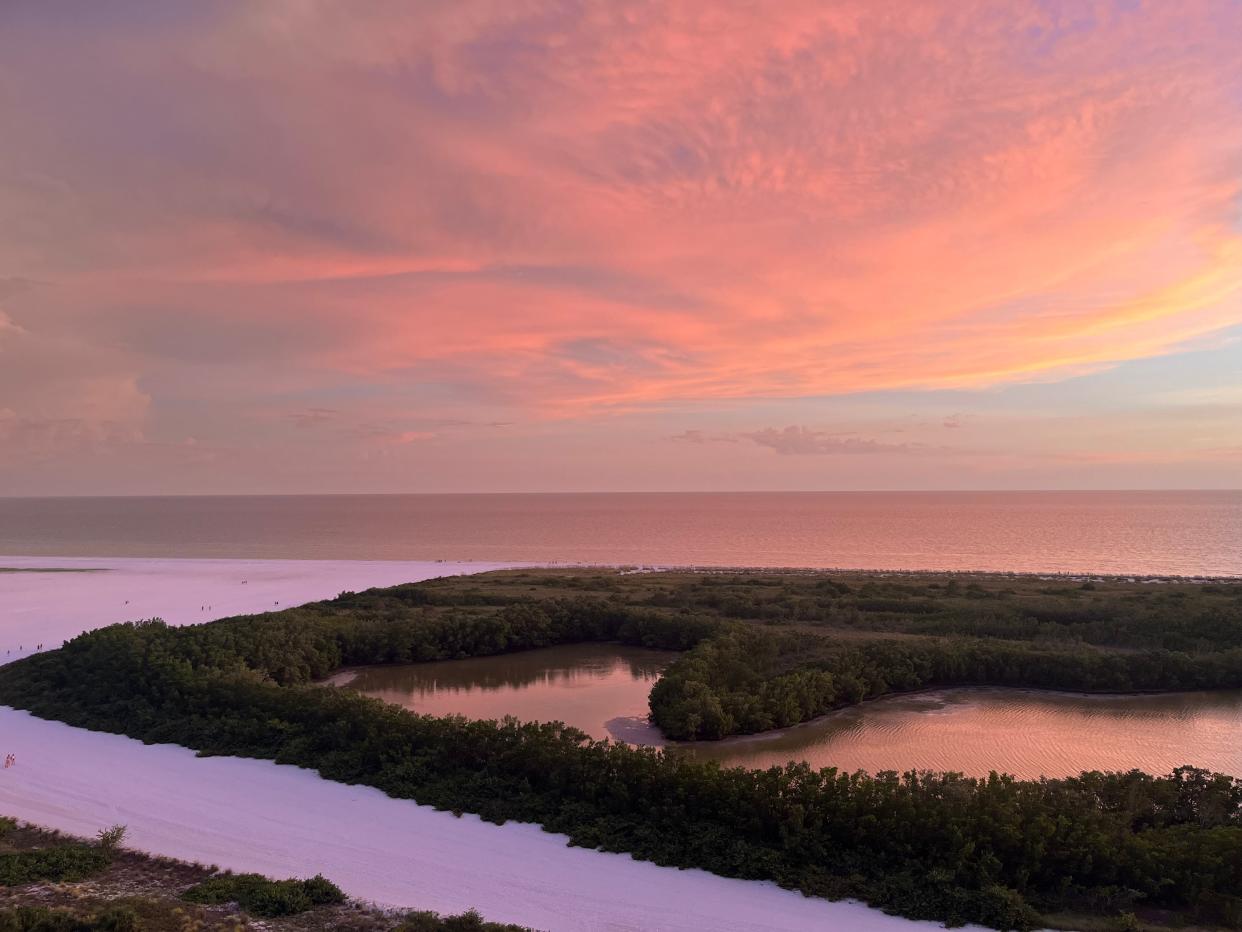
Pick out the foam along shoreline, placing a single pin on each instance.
(252, 815)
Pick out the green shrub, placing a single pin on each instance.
(63, 862)
(42, 919)
(39, 919)
(322, 892)
(260, 896)
(117, 919)
(111, 838)
(470, 921)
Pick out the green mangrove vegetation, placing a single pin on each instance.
(759, 651)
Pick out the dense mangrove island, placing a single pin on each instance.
(757, 651)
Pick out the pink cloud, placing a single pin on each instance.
(545, 211)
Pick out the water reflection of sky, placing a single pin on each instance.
(603, 690)
(584, 685)
(1026, 733)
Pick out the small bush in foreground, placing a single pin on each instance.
(471, 921)
(267, 898)
(111, 838)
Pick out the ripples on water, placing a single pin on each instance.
(602, 689)
(1114, 532)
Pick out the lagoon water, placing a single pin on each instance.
(1091, 532)
(584, 685)
(1025, 733)
(602, 689)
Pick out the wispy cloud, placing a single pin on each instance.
(796, 440)
(802, 441)
(313, 417)
(556, 211)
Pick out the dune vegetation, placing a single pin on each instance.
(50, 882)
(759, 651)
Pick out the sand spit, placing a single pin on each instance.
(285, 821)
(47, 607)
(1066, 576)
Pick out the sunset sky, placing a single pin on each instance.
(526, 245)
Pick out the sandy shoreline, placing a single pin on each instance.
(281, 820)
(50, 607)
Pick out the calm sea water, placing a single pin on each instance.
(1116, 532)
(603, 688)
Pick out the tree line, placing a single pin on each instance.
(749, 680)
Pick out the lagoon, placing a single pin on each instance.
(602, 689)
(583, 685)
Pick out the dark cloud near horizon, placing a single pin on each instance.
(795, 440)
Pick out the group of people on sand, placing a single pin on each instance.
(10, 760)
(21, 647)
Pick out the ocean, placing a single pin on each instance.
(1147, 533)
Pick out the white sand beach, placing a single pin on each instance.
(285, 821)
(48, 607)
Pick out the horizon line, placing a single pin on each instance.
(891, 491)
